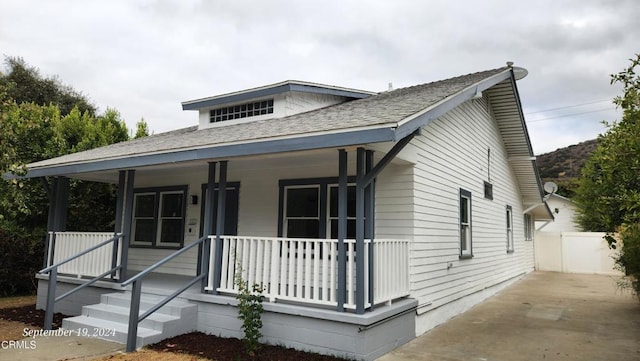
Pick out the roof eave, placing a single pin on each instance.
(428, 115)
(270, 90)
(309, 142)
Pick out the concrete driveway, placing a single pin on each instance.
(545, 316)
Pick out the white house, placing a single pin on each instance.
(368, 218)
(564, 213)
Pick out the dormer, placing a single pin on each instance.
(267, 102)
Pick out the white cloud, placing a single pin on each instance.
(144, 58)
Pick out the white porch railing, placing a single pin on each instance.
(68, 244)
(306, 270)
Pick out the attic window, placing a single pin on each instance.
(488, 190)
(239, 111)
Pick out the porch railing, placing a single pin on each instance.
(306, 270)
(53, 269)
(63, 245)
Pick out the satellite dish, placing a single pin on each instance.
(550, 187)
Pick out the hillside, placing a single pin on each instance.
(563, 165)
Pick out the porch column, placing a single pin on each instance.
(51, 192)
(122, 177)
(222, 198)
(369, 232)
(62, 198)
(127, 218)
(207, 227)
(360, 230)
(342, 229)
(56, 219)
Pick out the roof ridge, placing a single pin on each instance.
(431, 83)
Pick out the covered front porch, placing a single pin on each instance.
(302, 226)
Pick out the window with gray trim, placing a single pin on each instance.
(528, 227)
(309, 208)
(466, 244)
(509, 222)
(158, 217)
(239, 111)
(302, 211)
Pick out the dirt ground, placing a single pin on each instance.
(18, 313)
(149, 355)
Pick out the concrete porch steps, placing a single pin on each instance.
(109, 319)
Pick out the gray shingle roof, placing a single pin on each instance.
(385, 109)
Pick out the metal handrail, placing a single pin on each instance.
(117, 236)
(53, 280)
(161, 262)
(136, 291)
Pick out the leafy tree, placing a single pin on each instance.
(41, 118)
(24, 84)
(609, 193)
(142, 129)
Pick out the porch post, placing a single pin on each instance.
(51, 192)
(127, 219)
(222, 198)
(360, 229)
(58, 206)
(57, 218)
(207, 227)
(342, 229)
(122, 177)
(62, 199)
(51, 219)
(369, 206)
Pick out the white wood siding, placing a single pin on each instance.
(141, 258)
(258, 202)
(452, 154)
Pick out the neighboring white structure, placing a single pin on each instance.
(561, 246)
(564, 213)
(368, 218)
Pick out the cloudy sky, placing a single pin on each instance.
(145, 57)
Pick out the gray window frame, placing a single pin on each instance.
(157, 218)
(466, 245)
(509, 229)
(324, 185)
(529, 227)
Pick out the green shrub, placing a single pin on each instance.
(249, 311)
(629, 257)
(21, 258)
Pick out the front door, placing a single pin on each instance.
(231, 209)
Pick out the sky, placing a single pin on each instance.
(145, 57)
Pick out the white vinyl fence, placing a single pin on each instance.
(574, 252)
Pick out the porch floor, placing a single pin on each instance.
(165, 284)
